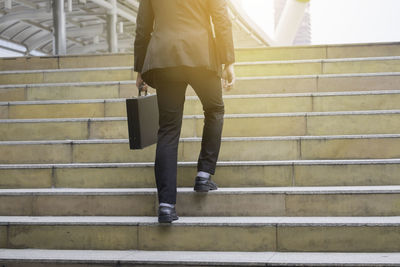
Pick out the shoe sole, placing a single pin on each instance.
(167, 219)
(203, 188)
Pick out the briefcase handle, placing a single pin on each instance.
(143, 88)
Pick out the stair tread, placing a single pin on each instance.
(324, 75)
(65, 70)
(330, 60)
(199, 257)
(283, 95)
(65, 84)
(227, 116)
(222, 221)
(364, 74)
(385, 58)
(220, 163)
(198, 139)
(386, 189)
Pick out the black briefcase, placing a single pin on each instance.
(142, 114)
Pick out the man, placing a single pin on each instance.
(175, 47)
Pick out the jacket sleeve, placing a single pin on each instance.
(144, 28)
(223, 30)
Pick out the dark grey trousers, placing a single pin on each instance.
(171, 84)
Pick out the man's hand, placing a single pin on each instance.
(228, 77)
(140, 82)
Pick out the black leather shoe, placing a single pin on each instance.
(204, 184)
(166, 214)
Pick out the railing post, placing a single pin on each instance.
(112, 36)
(59, 32)
(290, 21)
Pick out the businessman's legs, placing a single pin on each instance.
(171, 87)
(207, 86)
(171, 98)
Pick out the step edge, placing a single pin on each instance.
(373, 74)
(190, 257)
(64, 70)
(226, 116)
(276, 62)
(2, 86)
(309, 190)
(348, 45)
(319, 76)
(198, 139)
(195, 98)
(330, 60)
(384, 221)
(193, 164)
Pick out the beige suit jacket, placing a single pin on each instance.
(173, 33)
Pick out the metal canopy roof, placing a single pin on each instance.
(29, 26)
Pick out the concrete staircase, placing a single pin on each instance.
(309, 167)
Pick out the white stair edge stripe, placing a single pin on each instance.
(314, 94)
(300, 61)
(349, 45)
(320, 76)
(248, 63)
(309, 190)
(53, 102)
(65, 84)
(191, 257)
(65, 70)
(373, 74)
(195, 98)
(198, 139)
(220, 164)
(226, 116)
(219, 221)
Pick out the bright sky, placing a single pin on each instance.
(340, 21)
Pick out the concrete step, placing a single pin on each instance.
(117, 258)
(317, 83)
(235, 125)
(316, 66)
(234, 104)
(318, 52)
(67, 75)
(242, 69)
(232, 149)
(250, 201)
(253, 54)
(66, 62)
(383, 81)
(62, 91)
(373, 172)
(294, 234)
